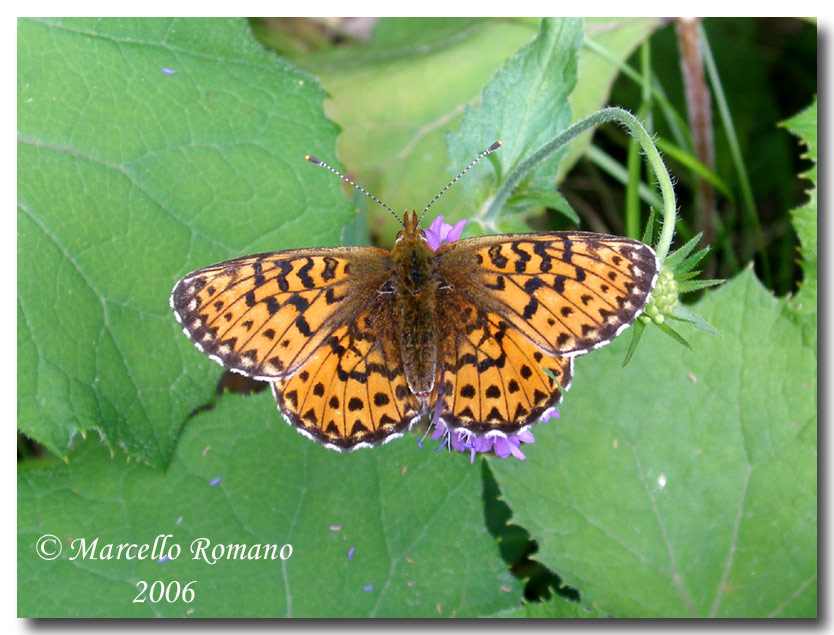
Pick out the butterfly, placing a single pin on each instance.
(359, 343)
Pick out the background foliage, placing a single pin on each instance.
(683, 485)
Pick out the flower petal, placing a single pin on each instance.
(454, 232)
(526, 436)
(516, 452)
(502, 447)
(434, 234)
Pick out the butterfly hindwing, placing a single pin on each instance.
(495, 380)
(351, 392)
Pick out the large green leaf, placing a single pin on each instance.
(147, 148)
(684, 485)
(804, 125)
(408, 523)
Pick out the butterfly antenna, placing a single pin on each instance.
(489, 150)
(322, 164)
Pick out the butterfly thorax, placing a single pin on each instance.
(415, 286)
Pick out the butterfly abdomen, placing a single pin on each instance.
(416, 282)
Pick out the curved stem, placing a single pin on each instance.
(605, 115)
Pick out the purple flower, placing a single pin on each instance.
(464, 441)
(440, 232)
(215, 481)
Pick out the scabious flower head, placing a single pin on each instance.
(464, 441)
(439, 232)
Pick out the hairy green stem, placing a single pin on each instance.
(605, 115)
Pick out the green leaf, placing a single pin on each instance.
(525, 105)
(668, 330)
(558, 607)
(637, 331)
(685, 285)
(684, 485)
(684, 313)
(804, 125)
(396, 97)
(406, 522)
(546, 198)
(129, 177)
(679, 261)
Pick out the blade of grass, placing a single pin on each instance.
(748, 204)
(633, 163)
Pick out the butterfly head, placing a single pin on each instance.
(411, 232)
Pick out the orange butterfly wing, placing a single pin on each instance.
(352, 391)
(568, 292)
(264, 315)
(495, 380)
(518, 307)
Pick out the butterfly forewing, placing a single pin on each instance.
(568, 292)
(265, 315)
